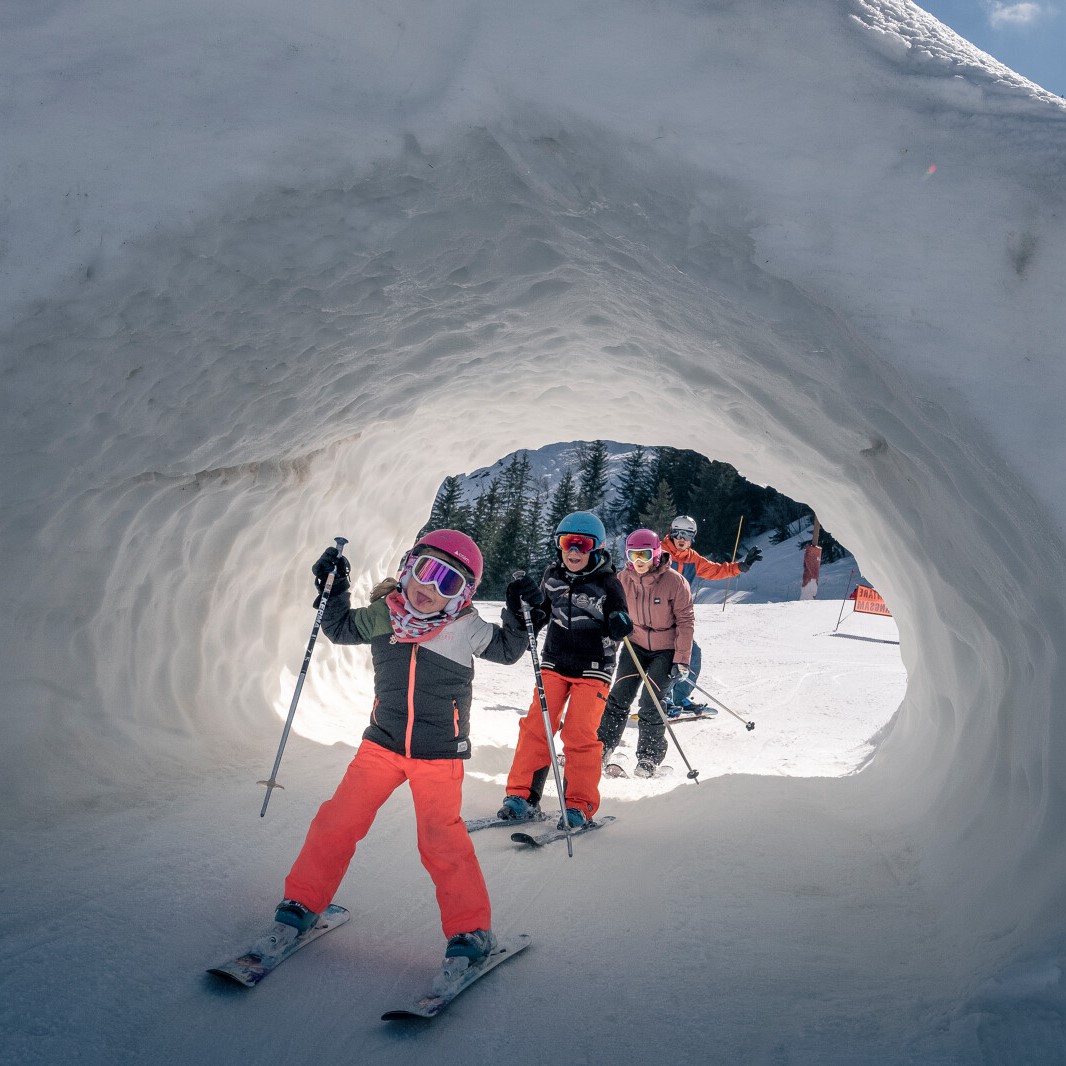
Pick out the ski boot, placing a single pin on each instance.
(575, 819)
(463, 951)
(517, 808)
(292, 912)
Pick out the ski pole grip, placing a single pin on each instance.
(517, 575)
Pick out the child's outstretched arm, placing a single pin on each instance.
(340, 622)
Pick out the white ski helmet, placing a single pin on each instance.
(684, 524)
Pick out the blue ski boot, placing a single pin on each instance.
(292, 912)
(518, 808)
(574, 818)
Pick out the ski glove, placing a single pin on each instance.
(678, 672)
(525, 589)
(753, 556)
(619, 625)
(326, 561)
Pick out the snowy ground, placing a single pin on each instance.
(184, 873)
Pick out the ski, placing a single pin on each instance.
(697, 716)
(474, 824)
(446, 987)
(275, 946)
(538, 840)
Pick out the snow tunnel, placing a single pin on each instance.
(196, 410)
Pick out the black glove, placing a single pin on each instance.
(678, 672)
(753, 556)
(525, 589)
(326, 561)
(619, 625)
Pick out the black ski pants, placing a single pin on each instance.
(651, 736)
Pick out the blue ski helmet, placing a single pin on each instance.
(584, 522)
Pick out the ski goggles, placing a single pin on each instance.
(446, 579)
(577, 542)
(640, 555)
(682, 534)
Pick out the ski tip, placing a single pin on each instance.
(230, 978)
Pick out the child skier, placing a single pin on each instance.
(691, 565)
(660, 605)
(582, 603)
(423, 635)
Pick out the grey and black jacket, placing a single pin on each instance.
(422, 692)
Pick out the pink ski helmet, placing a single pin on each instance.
(644, 538)
(458, 546)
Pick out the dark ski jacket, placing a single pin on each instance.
(576, 608)
(422, 692)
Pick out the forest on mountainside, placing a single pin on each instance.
(513, 514)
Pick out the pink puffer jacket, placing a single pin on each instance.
(660, 605)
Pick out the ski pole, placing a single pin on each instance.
(844, 601)
(736, 545)
(272, 783)
(548, 732)
(693, 774)
(747, 725)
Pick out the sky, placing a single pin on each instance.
(268, 276)
(1030, 37)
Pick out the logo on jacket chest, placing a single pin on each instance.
(657, 601)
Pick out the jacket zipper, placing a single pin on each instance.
(411, 700)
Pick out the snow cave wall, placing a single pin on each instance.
(528, 250)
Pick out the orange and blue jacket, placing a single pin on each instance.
(691, 565)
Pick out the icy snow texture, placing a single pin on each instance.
(269, 275)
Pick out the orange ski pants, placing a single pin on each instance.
(586, 698)
(443, 842)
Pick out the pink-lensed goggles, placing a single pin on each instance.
(429, 570)
(577, 542)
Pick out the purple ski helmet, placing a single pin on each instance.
(644, 538)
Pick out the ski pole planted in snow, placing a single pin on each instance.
(272, 783)
(844, 601)
(693, 774)
(532, 636)
(729, 583)
(749, 726)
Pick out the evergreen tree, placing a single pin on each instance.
(450, 510)
(563, 502)
(537, 539)
(592, 475)
(634, 491)
(485, 519)
(660, 511)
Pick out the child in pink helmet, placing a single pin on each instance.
(660, 606)
(423, 634)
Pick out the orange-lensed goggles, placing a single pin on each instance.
(577, 542)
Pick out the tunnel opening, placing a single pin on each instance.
(772, 651)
